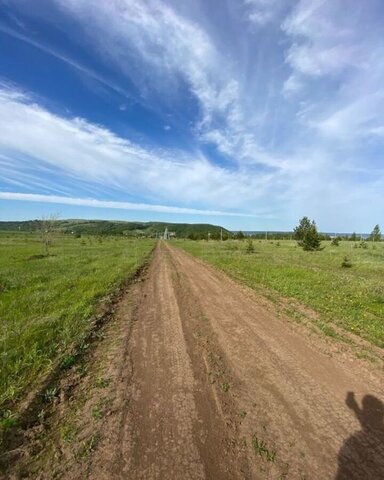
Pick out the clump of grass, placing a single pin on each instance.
(102, 382)
(97, 413)
(242, 413)
(5, 284)
(68, 361)
(8, 420)
(50, 394)
(90, 445)
(224, 387)
(68, 432)
(260, 447)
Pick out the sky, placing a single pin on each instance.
(249, 114)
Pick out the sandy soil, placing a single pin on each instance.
(209, 383)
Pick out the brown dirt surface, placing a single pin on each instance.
(199, 378)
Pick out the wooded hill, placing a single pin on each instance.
(107, 227)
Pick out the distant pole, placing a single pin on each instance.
(221, 234)
(266, 235)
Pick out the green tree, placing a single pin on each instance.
(307, 235)
(249, 247)
(375, 234)
(239, 235)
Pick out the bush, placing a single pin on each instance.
(346, 263)
(249, 247)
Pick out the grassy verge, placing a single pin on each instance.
(352, 298)
(46, 302)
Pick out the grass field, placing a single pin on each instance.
(351, 298)
(46, 302)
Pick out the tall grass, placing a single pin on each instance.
(352, 298)
(46, 302)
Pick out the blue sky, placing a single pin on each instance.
(249, 114)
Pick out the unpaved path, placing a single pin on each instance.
(209, 383)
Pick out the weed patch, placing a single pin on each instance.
(260, 447)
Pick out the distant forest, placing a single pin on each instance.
(156, 229)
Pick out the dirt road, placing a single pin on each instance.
(209, 383)
(220, 388)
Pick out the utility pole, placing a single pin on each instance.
(221, 234)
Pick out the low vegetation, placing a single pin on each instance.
(343, 283)
(47, 299)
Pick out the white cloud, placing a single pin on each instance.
(292, 86)
(342, 50)
(90, 202)
(156, 48)
(325, 38)
(262, 12)
(82, 153)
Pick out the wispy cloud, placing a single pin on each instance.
(336, 54)
(90, 202)
(135, 37)
(82, 69)
(83, 152)
(261, 12)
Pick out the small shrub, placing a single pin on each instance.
(249, 247)
(346, 263)
(335, 242)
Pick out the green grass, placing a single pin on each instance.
(260, 447)
(46, 303)
(351, 298)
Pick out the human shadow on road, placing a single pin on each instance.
(362, 455)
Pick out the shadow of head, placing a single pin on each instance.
(372, 412)
(361, 457)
